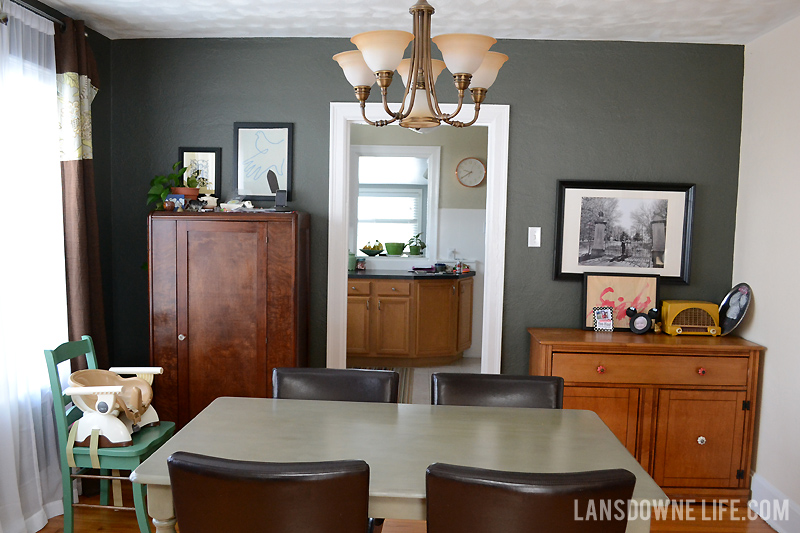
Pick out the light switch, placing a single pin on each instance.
(534, 237)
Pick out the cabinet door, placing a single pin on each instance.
(465, 287)
(392, 325)
(699, 438)
(222, 304)
(358, 324)
(617, 407)
(437, 317)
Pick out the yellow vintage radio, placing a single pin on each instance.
(689, 317)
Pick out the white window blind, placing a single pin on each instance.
(389, 215)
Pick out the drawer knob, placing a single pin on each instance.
(353, 288)
(394, 289)
(601, 369)
(701, 371)
(701, 440)
(181, 337)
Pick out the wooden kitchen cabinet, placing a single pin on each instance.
(392, 317)
(407, 322)
(228, 303)
(465, 295)
(437, 317)
(683, 406)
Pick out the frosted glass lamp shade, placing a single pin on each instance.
(403, 69)
(463, 52)
(355, 69)
(382, 49)
(486, 74)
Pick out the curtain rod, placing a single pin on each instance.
(40, 13)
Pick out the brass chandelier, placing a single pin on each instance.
(380, 53)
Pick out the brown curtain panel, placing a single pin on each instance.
(76, 71)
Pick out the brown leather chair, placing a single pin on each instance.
(344, 385)
(497, 390)
(476, 500)
(211, 495)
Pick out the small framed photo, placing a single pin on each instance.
(603, 318)
(206, 163)
(261, 147)
(617, 292)
(624, 228)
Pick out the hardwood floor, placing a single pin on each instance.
(90, 520)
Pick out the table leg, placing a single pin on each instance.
(159, 507)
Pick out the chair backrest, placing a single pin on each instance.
(67, 351)
(476, 500)
(346, 385)
(497, 390)
(211, 494)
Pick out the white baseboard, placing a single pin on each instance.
(770, 503)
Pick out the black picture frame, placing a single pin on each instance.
(642, 291)
(258, 148)
(209, 161)
(619, 210)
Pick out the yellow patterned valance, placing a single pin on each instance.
(75, 95)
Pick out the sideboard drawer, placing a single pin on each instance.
(650, 369)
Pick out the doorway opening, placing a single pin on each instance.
(495, 118)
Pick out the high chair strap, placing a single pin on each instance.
(73, 432)
(94, 443)
(116, 489)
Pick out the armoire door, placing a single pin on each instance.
(222, 321)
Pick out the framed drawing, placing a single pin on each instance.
(624, 228)
(207, 162)
(619, 292)
(261, 147)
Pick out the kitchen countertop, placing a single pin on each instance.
(404, 274)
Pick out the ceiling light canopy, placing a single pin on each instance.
(380, 53)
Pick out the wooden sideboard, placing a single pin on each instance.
(408, 321)
(228, 303)
(683, 406)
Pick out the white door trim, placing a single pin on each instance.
(496, 118)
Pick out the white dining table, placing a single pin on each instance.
(398, 441)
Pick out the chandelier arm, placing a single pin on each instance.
(413, 69)
(430, 88)
(459, 124)
(385, 100)
(378, 123)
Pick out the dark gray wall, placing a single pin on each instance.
(579, 110)
(101, 148)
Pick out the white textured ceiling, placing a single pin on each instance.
(687, 21)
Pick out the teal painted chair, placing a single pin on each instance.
(108, 460)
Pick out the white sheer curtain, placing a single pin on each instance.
(33, 306)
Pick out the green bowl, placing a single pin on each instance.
(371, 253)
(394, 248)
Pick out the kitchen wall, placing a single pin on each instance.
(766, 254)
(579, 110)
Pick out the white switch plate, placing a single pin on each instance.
(534, 237)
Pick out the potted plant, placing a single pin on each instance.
(191, 189)
(415, 245)
(161, 186)
(172, 183)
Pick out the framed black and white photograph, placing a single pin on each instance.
(204, 164)
(624, 228)
(262, 147)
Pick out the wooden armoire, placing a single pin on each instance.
(228, 303)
